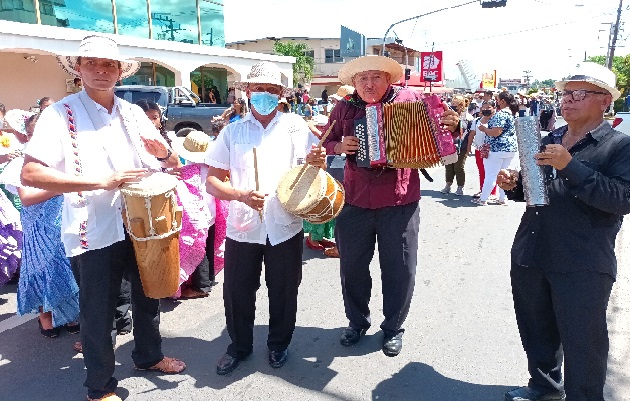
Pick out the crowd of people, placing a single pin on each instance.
(489, 134)
(63, 168)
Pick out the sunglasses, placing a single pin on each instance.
(579, 94)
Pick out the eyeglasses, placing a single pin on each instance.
(579, 94)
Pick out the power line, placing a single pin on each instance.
(512, 33)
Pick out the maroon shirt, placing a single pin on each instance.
(366, 187)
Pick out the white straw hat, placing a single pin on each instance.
(343, 91)
(370, 63)
(595, 74)
(193, 147)
(16, 119)
(263, 72)
(99, 47)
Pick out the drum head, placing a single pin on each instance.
(152, 184)
(299, 193)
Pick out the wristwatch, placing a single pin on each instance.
(163, 159)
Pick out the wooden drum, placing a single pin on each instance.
(153, 221)
(311, 193)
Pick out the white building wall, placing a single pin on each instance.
(41, 41)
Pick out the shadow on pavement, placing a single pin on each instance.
(311, 353)
(420, 382)
(448, 200)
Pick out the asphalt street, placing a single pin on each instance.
(461, 342)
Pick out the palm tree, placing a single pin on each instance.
(304, 64)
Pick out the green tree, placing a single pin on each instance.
(304, 65)
(621, 68)
(548, 83)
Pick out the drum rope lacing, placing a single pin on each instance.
(152, 232)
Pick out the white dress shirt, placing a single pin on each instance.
(282, 145)
(116, 146)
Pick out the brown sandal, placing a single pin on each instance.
(332, 252)
(167, 365)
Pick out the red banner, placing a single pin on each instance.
(431, 66)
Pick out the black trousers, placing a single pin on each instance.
(202, 279)
(396, 230)
(101, 272)
(563, 314)
(283, 274)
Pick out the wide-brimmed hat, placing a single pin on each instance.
(370, 63)
(193, 147)
(343, 91)
(595, 74)
(99, 47)
(263, 72)
(16, 119)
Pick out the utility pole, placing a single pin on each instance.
(527, 76)
(613, 43)
(171, 27)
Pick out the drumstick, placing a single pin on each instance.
(256, 178)
(319, 145)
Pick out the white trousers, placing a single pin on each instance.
(493, 164)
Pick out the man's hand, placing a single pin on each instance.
(554, 155)
(120, 177)
(449, 119)
(317, 157)
(348, 145)
(14, 155)
(507, 179)
(155, 147)
(253, 199)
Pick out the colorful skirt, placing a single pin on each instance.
(46, 279)
(10, 239)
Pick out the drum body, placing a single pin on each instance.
(153, 222)
(311, 193)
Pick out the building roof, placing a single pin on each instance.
(240, 42)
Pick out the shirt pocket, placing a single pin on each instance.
(243, 164)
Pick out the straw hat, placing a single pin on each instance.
(193, 147)
(370, 63)
(99, 47)
(263, 72)
(595, 74)
(343, 91)
(16, 119)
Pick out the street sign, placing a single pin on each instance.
(431, 66)
(351, 44)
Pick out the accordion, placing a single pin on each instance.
(404, 135)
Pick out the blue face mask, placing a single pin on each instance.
(264, 102)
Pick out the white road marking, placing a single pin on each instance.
(15, 321)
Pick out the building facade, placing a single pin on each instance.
(200, 22)
(327, 56)
(178, 42)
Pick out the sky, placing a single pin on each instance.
(546, 37)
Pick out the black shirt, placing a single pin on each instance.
(587, 201)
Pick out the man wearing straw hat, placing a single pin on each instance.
(258, 228)
(380, 203)
(85, 146)
(563, 256)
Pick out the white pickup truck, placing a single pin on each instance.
(622, 122)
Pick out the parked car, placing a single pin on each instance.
(622, 122)
(182, 108)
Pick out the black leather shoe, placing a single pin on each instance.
(277, 359)
(528, 394)
(351, 336)
(228, 363)
(392, 345)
